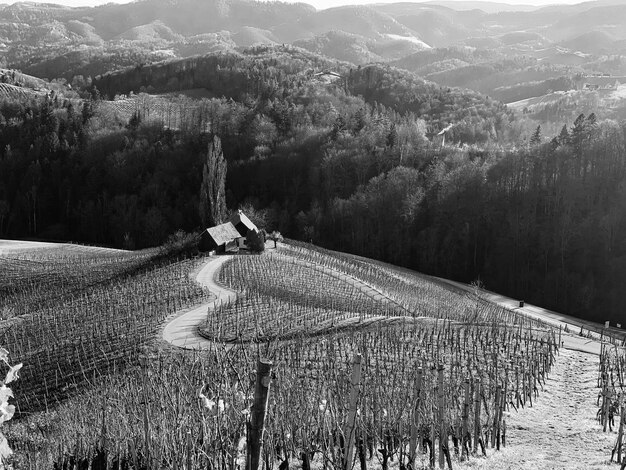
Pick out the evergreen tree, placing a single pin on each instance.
(536, 137)
(212, 192)
(392, 136)
(563, 136)
(592, 120)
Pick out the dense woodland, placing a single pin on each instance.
(352, 165)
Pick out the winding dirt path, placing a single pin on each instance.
(181, 330)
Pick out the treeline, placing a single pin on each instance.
(546, 222)
(66, 176)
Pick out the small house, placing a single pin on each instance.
(328, 76)
(607, 82)
(221, 238)
(242, 223)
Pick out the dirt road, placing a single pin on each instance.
(559, 432)
(571, 340)
(181, 330)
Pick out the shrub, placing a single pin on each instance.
(255, 241)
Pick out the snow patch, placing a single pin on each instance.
(411, 39)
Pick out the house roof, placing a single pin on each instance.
(223, 233)
(241, 218)
(328, 76)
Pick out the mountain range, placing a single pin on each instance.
(509, 52)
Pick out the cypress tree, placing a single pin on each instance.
(212, 191)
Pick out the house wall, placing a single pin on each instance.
(206, 242)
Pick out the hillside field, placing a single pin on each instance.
(446, 376)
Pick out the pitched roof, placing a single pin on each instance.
(223, 233)
(241, 218)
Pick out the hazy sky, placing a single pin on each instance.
(317, 3)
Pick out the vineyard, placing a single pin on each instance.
(370, 366)
(13, 92)
(612, 398)
(171, 111)
(71, 317)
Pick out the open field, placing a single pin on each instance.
(439, 366)
(73, 313)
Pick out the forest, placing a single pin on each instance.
(353, 166)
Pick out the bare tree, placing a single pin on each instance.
(275, 236)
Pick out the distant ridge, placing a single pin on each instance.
(487, 7)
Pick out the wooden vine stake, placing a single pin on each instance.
(415, 420)
(620, 434)
(259, 409)
(464, 429)
(350, 429)
(496, 420)
(476, 414)
(443, 435)
(605, 402)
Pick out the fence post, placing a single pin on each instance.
(259, 409)
(350, 428)
(443, 435)
(415, 420)
(476, 413)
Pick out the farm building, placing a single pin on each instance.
(229, 236)
(328, 76)
(604, 82)
(221, 238)
(242, 223)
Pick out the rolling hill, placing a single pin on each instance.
(359, 34)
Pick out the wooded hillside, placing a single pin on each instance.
(352, 164)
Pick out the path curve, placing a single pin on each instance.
(182, 330)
